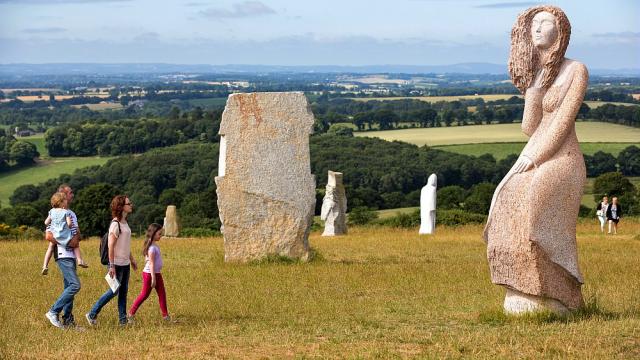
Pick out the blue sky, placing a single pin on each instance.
(605, 34)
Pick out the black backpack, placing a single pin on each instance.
(104, 245)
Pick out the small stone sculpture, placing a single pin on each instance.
(266, 192)
(334, 206)
(531, 229)
(171, 222)
(428, 206)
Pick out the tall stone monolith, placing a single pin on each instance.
(266, 192)
(334, 206)
(171, 222)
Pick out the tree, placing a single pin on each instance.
(23, 152)
(361, 215)
(479, 200)
(612, 184)
(451, 197)
(599, 163)
(24, 194)
(629, 160)
(93, 208)
(340, 130)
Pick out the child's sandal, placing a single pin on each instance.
(83, 264)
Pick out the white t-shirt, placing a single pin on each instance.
(63, 252)
(122, 250)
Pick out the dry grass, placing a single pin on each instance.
(375, 293)
(101, 106)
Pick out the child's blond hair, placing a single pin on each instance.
(58, 199)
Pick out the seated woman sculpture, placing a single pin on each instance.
(531, 230)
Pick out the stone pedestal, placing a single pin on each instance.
(518, 303)
(266, 192)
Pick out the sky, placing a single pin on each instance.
(605, 34)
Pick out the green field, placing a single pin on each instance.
(375, 293)
(209, 102)
(38, 141)
(43, 171)
(476, 134)
(501, 150)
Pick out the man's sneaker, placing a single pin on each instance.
(53, 319)
(91, 321)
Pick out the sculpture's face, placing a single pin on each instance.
(544, 30)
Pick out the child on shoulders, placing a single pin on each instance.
(60, 230)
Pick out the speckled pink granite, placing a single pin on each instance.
(531, 230)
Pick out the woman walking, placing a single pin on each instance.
(614, 213)
(119, 259)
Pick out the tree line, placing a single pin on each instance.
(15, 153)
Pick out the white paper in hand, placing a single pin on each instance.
(114, 284)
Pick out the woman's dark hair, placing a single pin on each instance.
(117, 206)
(151, 233)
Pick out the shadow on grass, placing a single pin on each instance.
(591, 310)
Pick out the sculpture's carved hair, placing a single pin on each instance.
(524, 56)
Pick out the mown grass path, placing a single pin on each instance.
(377, 292)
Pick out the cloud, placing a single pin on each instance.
(240, 10)
(54, 2)
(44, 30)
(505, 5)
(196, 4)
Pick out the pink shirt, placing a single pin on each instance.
(154, 250)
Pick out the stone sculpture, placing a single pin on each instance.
(531, 229)
(334, 206)
(171, 222)
(266, 192)
(428, 206)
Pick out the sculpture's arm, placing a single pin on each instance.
(530, 117)
(564, 119)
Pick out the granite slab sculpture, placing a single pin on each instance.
(428, 206)
(531, 229)
(265, 189)
(171, 222)
(334, 206)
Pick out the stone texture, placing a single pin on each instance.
(171, 222)
(531, 229)
(428, 206)
(334, 206)
(266, 192)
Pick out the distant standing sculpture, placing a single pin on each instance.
(531, 230)
(334, 206)
(266, 192)
(171, 226)
(428, 206)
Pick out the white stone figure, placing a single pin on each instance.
(266, 192)
(334, 206)
(428, 206)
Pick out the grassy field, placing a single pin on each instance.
(38, 141)
(476, 134)
(209, 102)
(501, 150)
(45, 170)
(597, 104)
(100, 107)
(375, 293)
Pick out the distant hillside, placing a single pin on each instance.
(150, 68)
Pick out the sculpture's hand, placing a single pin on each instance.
(522, 164)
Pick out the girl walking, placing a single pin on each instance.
(151, 274)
